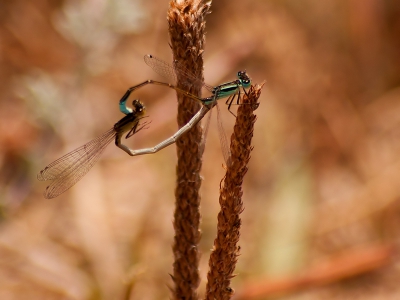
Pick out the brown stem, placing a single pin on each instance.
(351, 263)
(187, 34)
(224, 255)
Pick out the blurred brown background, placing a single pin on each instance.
(323, 182)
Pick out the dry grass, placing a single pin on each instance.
(226, 250)
(186, 21)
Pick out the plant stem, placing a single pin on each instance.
(225, 252)
(187, 33)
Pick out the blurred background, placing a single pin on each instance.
(322, 194)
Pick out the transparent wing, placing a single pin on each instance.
(222, 136)
(169, 72)
(223, 139)
(69, 169)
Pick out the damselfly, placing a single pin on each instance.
(231, 90)
(69, 169)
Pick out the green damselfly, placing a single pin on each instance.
(70, 168)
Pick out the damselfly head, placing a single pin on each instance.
(244, 79)
(138, 106)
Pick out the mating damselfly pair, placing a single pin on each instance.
(70, 168)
